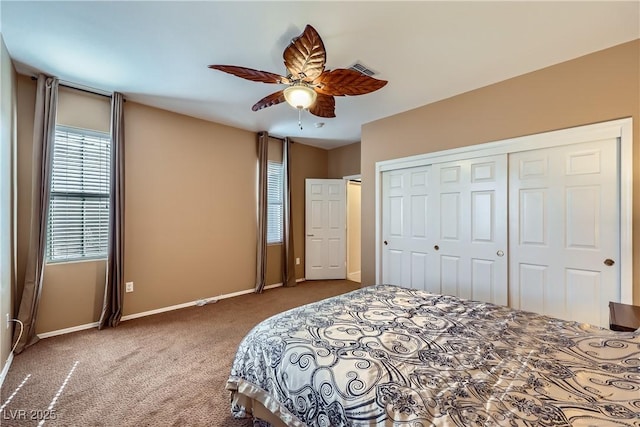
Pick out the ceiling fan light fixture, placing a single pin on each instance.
(309, 86)
(300, 96)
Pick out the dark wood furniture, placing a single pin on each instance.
(624, 317)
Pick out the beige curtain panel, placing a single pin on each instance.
(261, 249)
(44, 127)
(114, 286)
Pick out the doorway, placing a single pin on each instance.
(353, 229)
(332, 228)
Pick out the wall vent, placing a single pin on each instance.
(361, 68)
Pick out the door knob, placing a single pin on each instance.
(609, 262)
(500, 253)
(436, 247)
(309, 235)
(385, 242)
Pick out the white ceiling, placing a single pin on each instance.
(157, 53)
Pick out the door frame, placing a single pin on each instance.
(621, 129)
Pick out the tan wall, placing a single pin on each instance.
(190, 210)
(274, 151)
(83, 110)
(72, 295)
(7, 180)
(601, 86)
(189, 221)
(344, 161)
(190, 224)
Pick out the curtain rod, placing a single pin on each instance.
(279, 138)
(86, 89)
(81, 88)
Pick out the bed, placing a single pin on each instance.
(390, 356)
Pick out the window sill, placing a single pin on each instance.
(75, 261)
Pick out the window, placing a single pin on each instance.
(274, 202)
(78, 226)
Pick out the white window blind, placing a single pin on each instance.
(274, 202)
(78, 226)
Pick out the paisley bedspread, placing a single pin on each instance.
(390, 356)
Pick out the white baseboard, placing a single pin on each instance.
(156, 311)
(68, 330)
(5, 369)
(192, 303)
(354, 276)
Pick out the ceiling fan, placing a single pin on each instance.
(309, 85)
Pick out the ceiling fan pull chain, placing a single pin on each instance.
(300, 118)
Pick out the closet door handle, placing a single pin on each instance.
(609, 262)
(385, 242)
(436, 247)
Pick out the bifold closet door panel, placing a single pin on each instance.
(471, 244)
(444, 228)
(564, 230)
(407, 256)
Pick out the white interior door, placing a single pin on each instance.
(470, 215)
(564, 230)
(407, 257)
(325, 226)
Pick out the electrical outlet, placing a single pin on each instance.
(297, 261)
(129, 287)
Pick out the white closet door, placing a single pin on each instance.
(471, 228)
(445, 228)
(406, 255)
(564, 230)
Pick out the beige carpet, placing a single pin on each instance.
(168, 369)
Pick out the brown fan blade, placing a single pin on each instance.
(251, 74)
(340, 82)
(325, 106)
(305, 56)
(269, 100)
